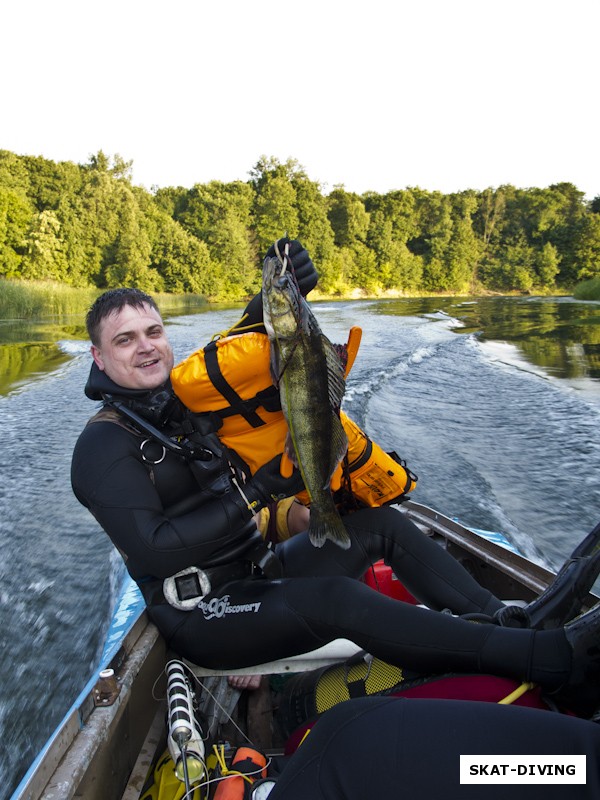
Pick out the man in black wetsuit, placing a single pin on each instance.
(162, 488)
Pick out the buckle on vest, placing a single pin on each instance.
(266, 560)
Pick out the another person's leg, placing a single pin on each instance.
(391, 747)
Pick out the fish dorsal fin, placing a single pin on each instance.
(336, 382)
(339, 445)
(336, 379)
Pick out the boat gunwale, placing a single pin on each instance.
(535, 576)
(81, 718)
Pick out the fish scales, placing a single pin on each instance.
(310, 377)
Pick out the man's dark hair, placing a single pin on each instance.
(111, 302)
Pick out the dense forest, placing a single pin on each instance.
(87, 225)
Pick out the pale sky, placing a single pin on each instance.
(375, 95)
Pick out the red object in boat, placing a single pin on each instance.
(381, 578)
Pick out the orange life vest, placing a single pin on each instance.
(231, 378)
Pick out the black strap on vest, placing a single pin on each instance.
(145, 426)
(246, 408)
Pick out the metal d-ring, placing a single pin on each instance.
(147, 460)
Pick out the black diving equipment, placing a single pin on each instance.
(185, 589)
(202, 450)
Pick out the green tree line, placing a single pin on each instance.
(87, 225)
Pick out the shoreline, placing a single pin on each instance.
(37, 300)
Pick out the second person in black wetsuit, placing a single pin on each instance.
(167, 513)
(390, 747)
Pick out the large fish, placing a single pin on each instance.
(310, 375)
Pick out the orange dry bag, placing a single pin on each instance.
(247, 766)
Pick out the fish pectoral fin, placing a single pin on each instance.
(275, 362)
(290, 450)
(287, 465)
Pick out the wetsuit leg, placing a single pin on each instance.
(410, 749)
(427, 570)
(252, 621)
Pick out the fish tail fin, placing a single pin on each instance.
(328, 526)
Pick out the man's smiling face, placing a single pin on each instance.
(134, 350)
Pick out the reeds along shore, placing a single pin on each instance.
(30, 300)
(587, 290)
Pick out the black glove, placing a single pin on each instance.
(304, 269)
(306, 275)
(269, 484)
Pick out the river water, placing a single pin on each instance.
(494, 403)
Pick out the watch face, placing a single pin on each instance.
(262, 789)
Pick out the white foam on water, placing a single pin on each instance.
(509, 356)
(74, 347)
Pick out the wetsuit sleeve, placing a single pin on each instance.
(110, 479)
